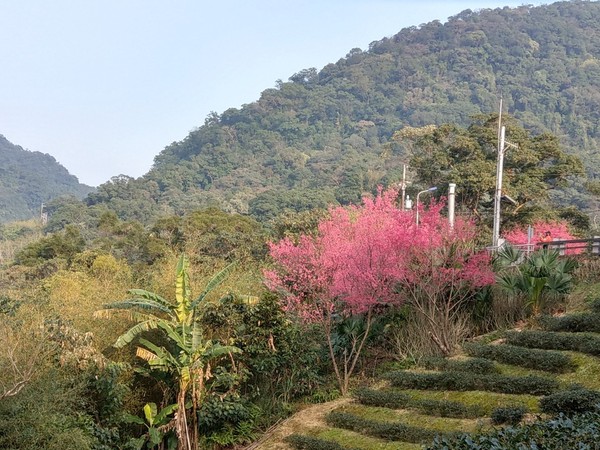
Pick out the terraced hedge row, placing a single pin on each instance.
(478, 365)
(464, 381)
(573, 323)
(547, 360)
(398, 400)
(571, 401)
(549, 340)
(389, 431)
(302, 442)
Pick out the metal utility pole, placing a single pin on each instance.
(502, 144)
(403, 186)
(451, 196)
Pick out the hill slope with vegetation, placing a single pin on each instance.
(28, 179)
(324, 136)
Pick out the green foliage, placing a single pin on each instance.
(525, 357)
(538, 276)
(573, 323)
(477, 365)
(464, 381)
(401, 400)
(570, 401)
(300, 442)
(47, 414)
(578, 431)
(510, 415)
(445, 154)
(65, 244)
(549, 340)
(390, 431)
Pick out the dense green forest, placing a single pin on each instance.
(324, 135)
(28, 179)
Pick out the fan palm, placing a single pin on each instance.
(537, 276)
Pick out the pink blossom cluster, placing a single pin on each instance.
(369, 255)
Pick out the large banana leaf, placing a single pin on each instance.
(182, 289)
(140, 303)
(134, 331)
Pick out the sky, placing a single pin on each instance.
(104, 86)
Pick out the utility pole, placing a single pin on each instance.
(403, 186)
(451, 197)
(502, 144)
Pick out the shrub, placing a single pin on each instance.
(477, 365)
(390, 431)
(511, 415)
(573, 323)
(547, 360)
(579, 431)
(570, 401)
(464, 381)
(301, 442)
(549, 340)
(397, 400)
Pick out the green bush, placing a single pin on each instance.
(301, 442)
(570, 401)
(464, 381)
(510, 415)
(573, 323)
(390, 431)
(576, 432)
(547, 360)
(549, 340)
(398, 400)
(477, 365)
(595, 305)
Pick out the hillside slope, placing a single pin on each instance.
(27, 179)
(324, 136)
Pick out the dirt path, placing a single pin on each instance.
(308, 419)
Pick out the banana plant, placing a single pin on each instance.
(190, 354)
(157, 424)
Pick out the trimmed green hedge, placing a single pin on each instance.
(547, 360)
(302, 442)
(573, 323)
(397, 400)
(510, 415)
(576, 432)
(550, 340)
(389, 431)
(570, 401)
(464, 381)
(477, 365)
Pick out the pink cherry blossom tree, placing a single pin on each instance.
(366, 257)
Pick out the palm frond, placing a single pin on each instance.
(140, 303)
(142, 293)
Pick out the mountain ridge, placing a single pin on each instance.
(29, 178)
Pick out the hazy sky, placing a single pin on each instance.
(104, 86)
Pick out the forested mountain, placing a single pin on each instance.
(324, 136)
(27, 179)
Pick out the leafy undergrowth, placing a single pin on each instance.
(438, 398)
